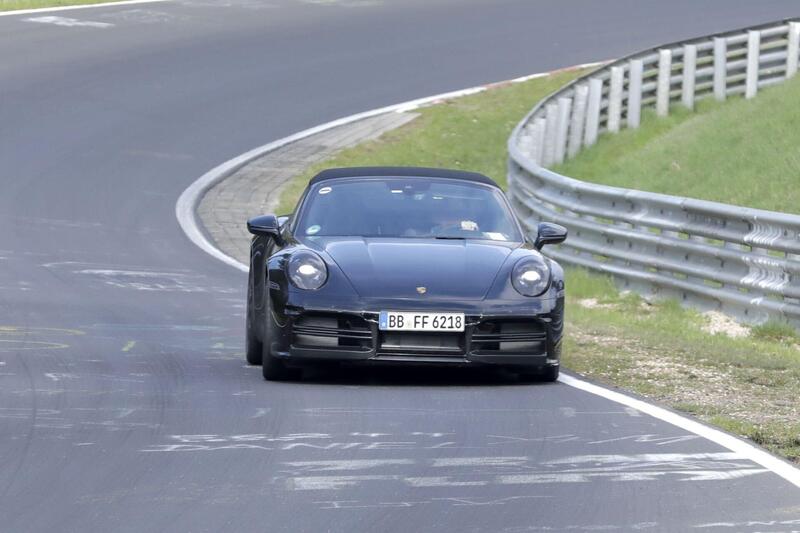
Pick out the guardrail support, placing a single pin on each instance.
(663, 85)
(537, 140)
(578, 120)
(792, 49)
(753, 53)
(593, 111)
(564, 108)
(525, 141)
(551, 125)
(615, 99)
(740, 260)
(635, 72)
(720, 68)
(689, 70)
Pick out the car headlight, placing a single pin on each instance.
(307, 270)
(530, 276)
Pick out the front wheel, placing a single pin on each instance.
(547, 374)
(273, 368)
(550, 373)
(252, 346)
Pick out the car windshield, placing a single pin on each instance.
(407, 207)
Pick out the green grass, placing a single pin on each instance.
(12, 5)
(742, 152)
(747, 386)
(776, 331)
(468, 133)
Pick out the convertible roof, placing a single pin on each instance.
(416, 172)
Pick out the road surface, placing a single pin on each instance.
(125, 403)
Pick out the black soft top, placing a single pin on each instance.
(416, 172)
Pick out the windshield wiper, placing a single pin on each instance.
(445, 238)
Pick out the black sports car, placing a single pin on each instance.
(404, 265)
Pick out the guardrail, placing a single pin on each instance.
(744, 262)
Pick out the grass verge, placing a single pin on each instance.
(746, 385)
(13, 5)
(468, 133)
(741, 152)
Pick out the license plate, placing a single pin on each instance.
(412, 321)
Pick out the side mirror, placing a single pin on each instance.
(265, 226)
(549, 233)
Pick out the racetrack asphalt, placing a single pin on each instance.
(125, 403)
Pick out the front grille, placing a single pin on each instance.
(509, 336)
(332, 331)
(411, 343)
(352, 332)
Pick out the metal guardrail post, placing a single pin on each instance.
(578, 120)
(792, 49)
(537, 141)
(564, 107)
(593, 111)
(664, 83)
(615, 99)
(753, 56)
(635, 72)
(720, 68)
(551, 125)
(689, 73)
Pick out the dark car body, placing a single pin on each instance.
(291, 327)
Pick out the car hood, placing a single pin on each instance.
(399, 268)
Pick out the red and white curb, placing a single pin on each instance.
(185, 211)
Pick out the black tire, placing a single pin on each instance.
(546, 374)
(550, 373)
(273, 368)
(252, 346)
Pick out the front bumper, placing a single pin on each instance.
(303, 336)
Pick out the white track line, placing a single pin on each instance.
(86, 6)
(190, 198)
(784, 469)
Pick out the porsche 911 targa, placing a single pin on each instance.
(403, 265)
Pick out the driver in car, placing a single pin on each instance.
(449, 221)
